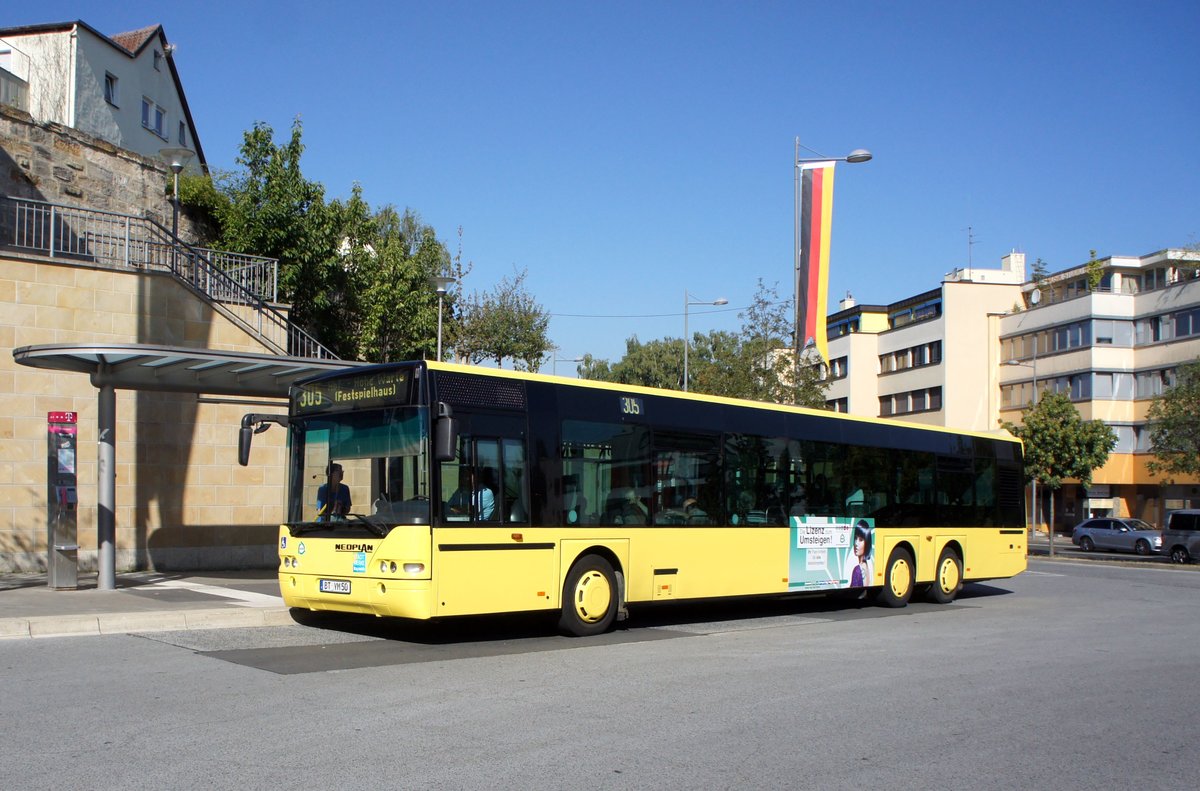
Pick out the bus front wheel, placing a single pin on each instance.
(949, 578)
(898, 579)
(589, 602)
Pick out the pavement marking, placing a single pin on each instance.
(243, 598)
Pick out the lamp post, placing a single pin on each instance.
(854, 157)
(441, 285)
(176, 159)
(555, 361)
(688, 301)
(1032, 364)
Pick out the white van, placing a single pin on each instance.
(1181, 535)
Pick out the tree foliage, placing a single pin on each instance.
(357, 279)
(1059, 444)
(274, 211)
(1095, 271)
(754, 363)
(658, 363)
(1174, 420)
(506, 323)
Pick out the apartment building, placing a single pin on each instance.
(122, 89)
(969, 353)
(1111, 347)
(929, 358)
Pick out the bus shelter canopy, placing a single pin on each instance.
(176, 368)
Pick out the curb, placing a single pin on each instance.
(128, 623)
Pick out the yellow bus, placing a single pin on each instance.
(429, 490)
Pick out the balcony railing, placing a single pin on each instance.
(222, 279)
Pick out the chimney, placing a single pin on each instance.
(847, 303)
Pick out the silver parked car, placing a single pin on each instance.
(1121, 535)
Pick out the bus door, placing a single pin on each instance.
(484, 561)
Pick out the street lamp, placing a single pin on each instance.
(176, 159)
(556, 360)
(687, 301)
(1033, 482)
(854, 157)
(441, 284)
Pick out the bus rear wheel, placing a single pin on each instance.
(898, 579)
(948, 580)
(589, 602)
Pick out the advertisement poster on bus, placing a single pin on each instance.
(829, 552)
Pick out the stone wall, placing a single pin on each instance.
(57, 164)
(182, 500)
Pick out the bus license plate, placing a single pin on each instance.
(335, 586)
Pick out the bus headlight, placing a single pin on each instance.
(414, 568)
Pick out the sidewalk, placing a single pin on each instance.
(142, 602)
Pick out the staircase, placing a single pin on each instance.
(223, 280)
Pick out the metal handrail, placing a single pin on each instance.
(140, 244)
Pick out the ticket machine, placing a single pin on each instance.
(62, 543)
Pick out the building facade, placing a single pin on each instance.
(1111, 347)
(123, 89)
(968, 354)
(929, 358)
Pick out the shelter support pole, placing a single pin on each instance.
(106, 486)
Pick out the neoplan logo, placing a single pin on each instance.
(353, 547)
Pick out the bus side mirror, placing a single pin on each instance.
(254, 424)
(245, 437)
(445, 433)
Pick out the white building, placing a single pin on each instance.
(929, 358)
(122, 89)
(967, 355)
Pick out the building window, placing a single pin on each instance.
(916, 313)
(158, 60)
(110, 89)
(924, 400)
(154, 118)
(839, 368)
(838, 405)
(841, 328)
(1153, 383)
(912, 357)
(182, 133)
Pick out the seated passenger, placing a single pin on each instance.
(633, 510)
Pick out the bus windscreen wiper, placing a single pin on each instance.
(371, 524)
(300, 528)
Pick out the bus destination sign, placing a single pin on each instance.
(352, 392)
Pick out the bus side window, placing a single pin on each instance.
(515, 493)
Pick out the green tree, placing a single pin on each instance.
(274, 211)
(754, 363)
(1040, 271)
(657, 363)
(766, 360)
(504, 323)
(1095, 271)
(1174, 420)
(391, 258)
(1059, 445)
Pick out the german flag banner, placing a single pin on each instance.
(812, 277)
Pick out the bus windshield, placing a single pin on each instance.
(369, 467)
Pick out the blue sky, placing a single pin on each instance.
(623, 152)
